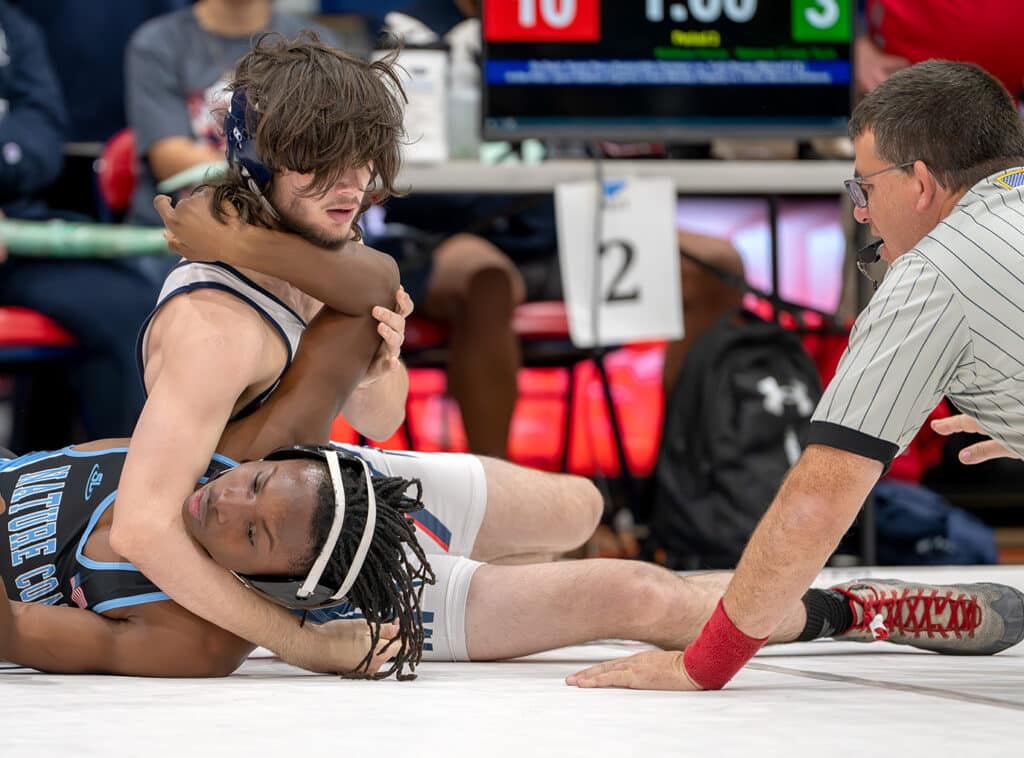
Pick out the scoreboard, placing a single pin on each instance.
(666, 68)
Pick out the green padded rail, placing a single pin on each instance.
(66, 239)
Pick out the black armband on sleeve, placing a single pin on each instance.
(852, 441)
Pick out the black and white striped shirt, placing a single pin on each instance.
(947, 320)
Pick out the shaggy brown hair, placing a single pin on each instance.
(316, 110)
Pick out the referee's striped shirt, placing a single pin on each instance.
(947, 320)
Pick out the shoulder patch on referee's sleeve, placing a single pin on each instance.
(1011, 179)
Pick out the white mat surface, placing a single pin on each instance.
(816, 699)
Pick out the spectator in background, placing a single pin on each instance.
(33, 118)
(86, 43)
(102, 302)
(897, 33)
(439, 15)
(176, 68)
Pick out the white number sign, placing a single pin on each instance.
(633, 274)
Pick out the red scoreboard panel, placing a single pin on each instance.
(542, 21)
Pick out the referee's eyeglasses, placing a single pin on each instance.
(855, 188)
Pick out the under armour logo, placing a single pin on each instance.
(778, 396)
(95, 477)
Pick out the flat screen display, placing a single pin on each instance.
(670, 70)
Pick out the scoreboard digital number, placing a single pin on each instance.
(580, 20)
(543, 21)
(812, 20)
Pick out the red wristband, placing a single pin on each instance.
(719, 651)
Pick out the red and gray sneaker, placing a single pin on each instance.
(956, 619)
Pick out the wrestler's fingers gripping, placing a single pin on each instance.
(405, 303)
(392, 339)
(163, 206)
(385, 646)
(389, 317)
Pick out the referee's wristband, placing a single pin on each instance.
(719, 651)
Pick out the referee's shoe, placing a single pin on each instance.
(956, 619)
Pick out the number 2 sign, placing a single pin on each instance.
(542, 20)
(637, 288)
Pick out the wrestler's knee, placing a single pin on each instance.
(586, 504)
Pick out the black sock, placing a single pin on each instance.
(828, 614)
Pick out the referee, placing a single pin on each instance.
(939, 175)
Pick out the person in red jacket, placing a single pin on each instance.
(898, 33)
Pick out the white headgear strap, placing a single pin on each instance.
(320, 564)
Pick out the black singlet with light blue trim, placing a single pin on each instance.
(54, 500)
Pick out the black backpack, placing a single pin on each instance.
(735, 422)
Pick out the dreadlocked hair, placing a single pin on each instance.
(389, 587)
(314, 109)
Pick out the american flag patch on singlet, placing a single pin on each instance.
(77, 593)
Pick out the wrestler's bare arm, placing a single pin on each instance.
(377, 410)
(332, 359)
(165, 640)
(351, 279)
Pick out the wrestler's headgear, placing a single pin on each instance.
(309, 593)
(239, 128)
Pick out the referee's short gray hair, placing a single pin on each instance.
(955, 117)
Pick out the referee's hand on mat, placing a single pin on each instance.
(654, 670)
(978, 452)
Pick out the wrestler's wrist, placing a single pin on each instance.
(240, 244)
(298, 647)
(719, 651)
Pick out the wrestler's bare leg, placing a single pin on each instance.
(533, 515)
(518, 610)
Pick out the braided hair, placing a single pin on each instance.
(389, 587)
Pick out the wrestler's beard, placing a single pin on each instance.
(312, 234)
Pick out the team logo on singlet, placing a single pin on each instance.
(95, 479)
(1011, 179)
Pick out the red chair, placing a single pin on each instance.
(117, 171)
(30, 344)
(28, 337)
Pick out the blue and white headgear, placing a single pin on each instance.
(310, 593)
(241, 147)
